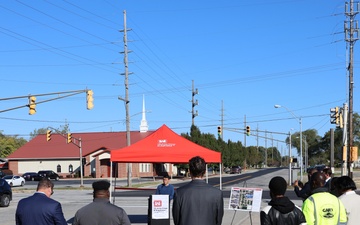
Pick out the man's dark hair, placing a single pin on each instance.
(317, 180)
(311, 172)
(45, 183)
(278, 185)
(327, 171)
(197, 166)
(345, 183)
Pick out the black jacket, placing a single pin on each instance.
(305, 192)
(282, 211)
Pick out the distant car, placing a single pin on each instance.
(227, 169)
(5, 193)
(14, 180)
(29, 175)
(47, 173)
(235, 169)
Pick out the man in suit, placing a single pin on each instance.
(39, 208)
(101, 211)
(197, 202)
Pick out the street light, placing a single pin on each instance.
(305, 152)
(300, 122)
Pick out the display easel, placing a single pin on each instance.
(245, 199)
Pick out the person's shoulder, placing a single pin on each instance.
(266, 209)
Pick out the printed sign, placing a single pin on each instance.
(245, 199)
(160, 207)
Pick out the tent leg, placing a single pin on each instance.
(207, 175)
(220, 167)
(111, 184)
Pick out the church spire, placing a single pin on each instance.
(143, 124)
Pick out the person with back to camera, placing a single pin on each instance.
(40, 209)
(198, 203)
(321, 207)
(101, 211)
(304, 191)
(346, 188)
(166, 188)
(281, 211)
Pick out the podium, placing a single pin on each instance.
(159, 210)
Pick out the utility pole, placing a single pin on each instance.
(245, 132)
(126, 100)
(222, 119)
(351, 36)
(194, 103)
(266, 156)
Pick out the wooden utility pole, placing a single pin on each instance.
(126, 100)
(351, 36)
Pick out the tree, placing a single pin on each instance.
(63, 129)
(8, 144)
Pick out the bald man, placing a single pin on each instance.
(322, 207)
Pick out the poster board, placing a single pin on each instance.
(160, 207)
(245, 199)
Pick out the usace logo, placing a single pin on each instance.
(157, 203)
(164, 143)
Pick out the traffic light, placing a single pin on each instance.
(32, 105)
(335, 116)
(248, 130)
(68, 138)
(219, 130)
(48, 135)
(89, 99)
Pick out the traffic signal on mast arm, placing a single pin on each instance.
(48, 135)
(68, 140)
(248, 130)
(32, 105)
(89, 99)
(219, 130)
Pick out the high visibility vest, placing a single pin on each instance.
(324, 209)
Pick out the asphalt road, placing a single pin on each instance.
(135, 203)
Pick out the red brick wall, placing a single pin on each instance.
(13, 166)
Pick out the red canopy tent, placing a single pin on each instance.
(164, 146)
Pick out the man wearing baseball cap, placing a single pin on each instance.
(101, 211)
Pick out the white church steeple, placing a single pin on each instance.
(143, 124)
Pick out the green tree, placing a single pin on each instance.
(8, 144)
(63, 129)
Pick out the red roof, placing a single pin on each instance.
(39, 148)
(164, 146)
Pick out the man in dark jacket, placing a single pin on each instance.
(39, 208)
(101, 211)
(304, 191)
(198, 203)
(280, 209)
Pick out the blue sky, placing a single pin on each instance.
(243, 56)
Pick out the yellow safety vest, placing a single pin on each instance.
(324, 208)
